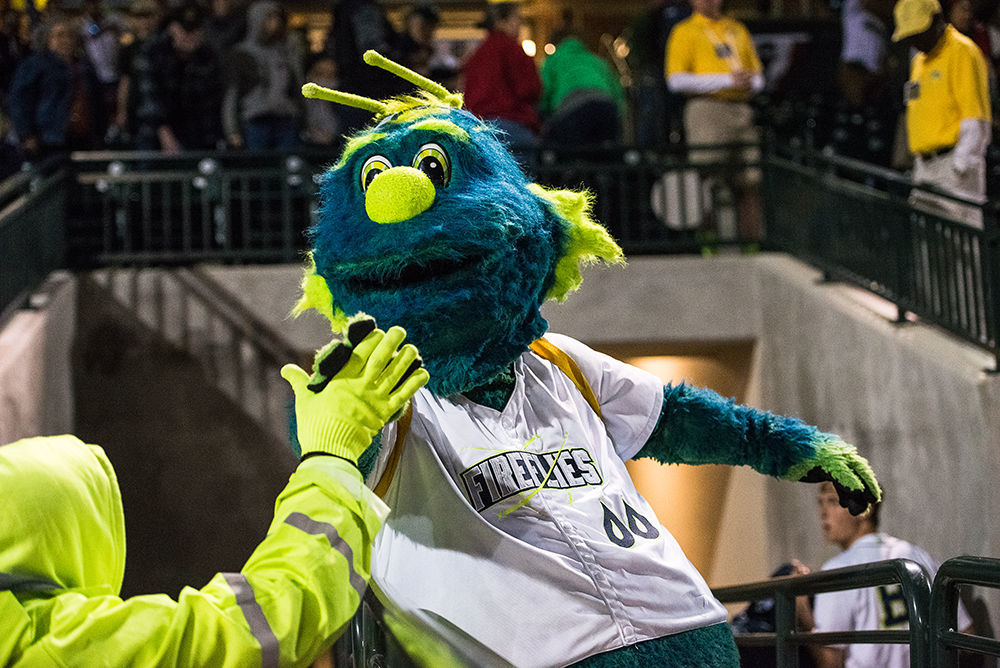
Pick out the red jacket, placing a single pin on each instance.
(501, 81)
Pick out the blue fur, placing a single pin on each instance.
(698, 426)
(468, 326)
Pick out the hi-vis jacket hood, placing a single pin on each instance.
(61, 522)
(62, 514)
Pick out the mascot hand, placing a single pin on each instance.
(359, 384)
(837, 462)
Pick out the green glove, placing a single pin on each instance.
(838, 462)
(358, 386)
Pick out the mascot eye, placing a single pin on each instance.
(433, 161)
(373, 166)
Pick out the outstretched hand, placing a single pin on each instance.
(839, 463)
(358, 385)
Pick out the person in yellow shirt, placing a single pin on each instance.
(711, 59)
(947, 109)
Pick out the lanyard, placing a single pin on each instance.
(725, 49)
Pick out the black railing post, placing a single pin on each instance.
(787, 652)
(944, 639)
(991, 280)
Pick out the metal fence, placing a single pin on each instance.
(932, 633)
(32, 241)
(944, 640)
(909, 575)
(853, 220)
(130, 207)
(870, 227)
(147, 208)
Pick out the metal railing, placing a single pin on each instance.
(654, 201)
(32, 233)
(786, 639)
(945, 638)
(853, 220)
(134, 207)
(859, 224)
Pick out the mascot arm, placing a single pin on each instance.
(698, 426)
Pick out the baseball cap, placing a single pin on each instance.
(913, 17)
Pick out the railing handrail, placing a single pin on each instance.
(910, 575)
(902, 180)
(945, 639)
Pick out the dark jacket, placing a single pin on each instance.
(183, 93)
(41, 98)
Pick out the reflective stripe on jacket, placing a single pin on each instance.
(293, 596)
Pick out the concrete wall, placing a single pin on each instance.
(36, 386)
(916, 402)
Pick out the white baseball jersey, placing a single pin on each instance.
(523, 528)
(881, 607)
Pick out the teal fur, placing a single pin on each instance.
(496, 392)
(706, 647)
(293, 430)
(699, 426)
(368, 458)
(465, 278)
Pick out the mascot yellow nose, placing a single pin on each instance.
(398, 194)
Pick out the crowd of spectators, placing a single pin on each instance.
(194, 75)
(224, 74)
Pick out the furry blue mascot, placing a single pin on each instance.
(513, 516)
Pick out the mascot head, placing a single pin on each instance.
(426, 221)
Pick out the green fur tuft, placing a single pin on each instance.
(316, 295)
(444, 126)
(841, 461)
(421, 103)
(354, 143)
(586, 242)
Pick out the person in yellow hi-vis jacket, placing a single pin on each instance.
(62, 538)
(947, 109)
(711, 59)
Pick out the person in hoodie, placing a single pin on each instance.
(62, 540)
(262, 107)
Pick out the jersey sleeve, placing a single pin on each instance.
(630, 398)
(289, 602)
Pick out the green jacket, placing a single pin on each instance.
(63, 520)
(572, 67)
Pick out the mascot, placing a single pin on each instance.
(513, 516)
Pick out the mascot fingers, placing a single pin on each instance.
(839, 463)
